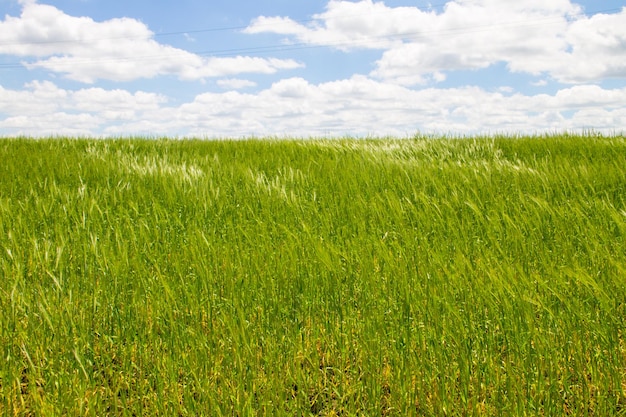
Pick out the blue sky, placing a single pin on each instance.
(316, 68)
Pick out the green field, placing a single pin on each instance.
(378, 277)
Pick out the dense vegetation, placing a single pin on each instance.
(478, 276)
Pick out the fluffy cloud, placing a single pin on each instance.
(348, 25)
(355, 106)
(531, 36)
(43, 108)
(117, 49)
(235, 83)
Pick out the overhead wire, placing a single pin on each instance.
(183, 32)
(284, 47)
(225, 29)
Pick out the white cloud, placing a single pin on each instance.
(598, 49)
(52, 124)
(117, 49)
(44, 96)
(280, 25)
(235, 83)
(355, 106)
(43, 108)
(531, 36)
(350, 25)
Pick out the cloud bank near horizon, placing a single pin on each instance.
(357, 106)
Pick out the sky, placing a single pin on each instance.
(314, 68)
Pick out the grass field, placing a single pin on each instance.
(419, 277)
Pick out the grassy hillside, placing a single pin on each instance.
(324, 277)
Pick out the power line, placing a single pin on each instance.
(224, 29)
(181, 32)
(276, 48)
(300, 21)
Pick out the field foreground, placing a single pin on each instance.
(383, 277)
